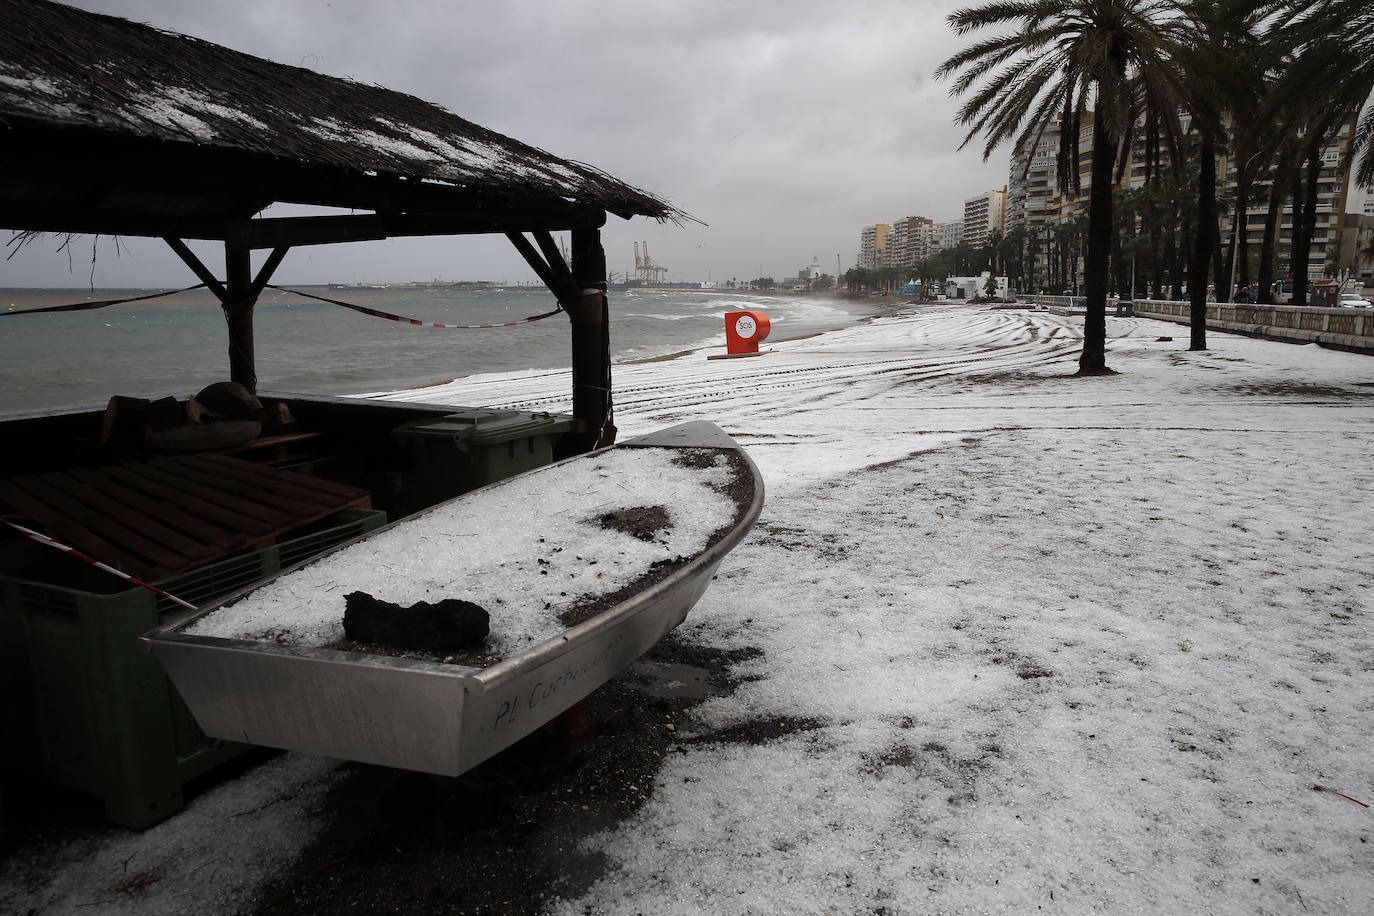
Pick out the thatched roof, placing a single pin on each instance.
(105, 77)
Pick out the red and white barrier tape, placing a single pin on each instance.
(49, 542)
(416, 321)
(98, 303)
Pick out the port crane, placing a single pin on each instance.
(646, 269)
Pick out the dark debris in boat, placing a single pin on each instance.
(642, 522)
(699, 458)
(449, 625)
(740, 489)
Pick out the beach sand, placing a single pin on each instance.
(1003, 640)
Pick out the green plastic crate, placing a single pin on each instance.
(459, 452)
(86, 708)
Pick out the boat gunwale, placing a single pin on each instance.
(482, 680)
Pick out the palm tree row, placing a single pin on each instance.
(1176, 84)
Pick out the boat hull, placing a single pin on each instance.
(422, 715)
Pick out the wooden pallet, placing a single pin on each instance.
(155, 518)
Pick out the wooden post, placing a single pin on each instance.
(237, 296)
(589, 313)
(238, 313)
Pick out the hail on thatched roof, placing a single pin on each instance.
(70, 68)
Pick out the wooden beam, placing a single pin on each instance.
(268, 268)
(555, 258)
(274, 232)
(591, 347)
(537, 264)
(238, 313)
(96, 221)
(197, 267)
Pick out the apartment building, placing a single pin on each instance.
(1033, 198)
(951, 234)
(908, 241)
(1333, 184)
(1036, 201)
(984, 215)
(872, 244)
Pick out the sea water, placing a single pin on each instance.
(178, 344)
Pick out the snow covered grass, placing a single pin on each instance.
(1072, 644)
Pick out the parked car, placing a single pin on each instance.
(1354, 301)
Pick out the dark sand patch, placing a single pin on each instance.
(505, 837)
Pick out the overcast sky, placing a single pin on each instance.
(786, 125)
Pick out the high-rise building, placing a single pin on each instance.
(951, 234)
(1037, 202)
(1033, 197)
(872, 244)
(908, 241)
(927, 240)
(984, 215)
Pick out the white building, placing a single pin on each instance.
(1360, 201)
(977, 287)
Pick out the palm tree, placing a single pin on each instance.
(1105, 60)
(1257, 145)
(1335, 58)
(1212, 33)
(1327, 84)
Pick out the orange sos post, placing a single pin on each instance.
(743, 331)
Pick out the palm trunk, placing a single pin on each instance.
(1269, 244)
(1304, 226)
(1114, 270)
(1094, 358)
(1242, 246)
(1294, 218)
(1218, 265)
(1228, 270)
(1203, 243)
(1152, 230)
(1171, 263)
(1168, 265)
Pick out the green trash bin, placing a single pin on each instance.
(84, 706)
(459, 452)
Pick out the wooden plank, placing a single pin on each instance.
(58, 523)
(60, 527)
(158, 558)
(137, 500)
(357, 498)
(274, 489)
(159, 486)
(94, 493)
(273, 450)
(262, 442)
(234, 495)
(262, 479)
